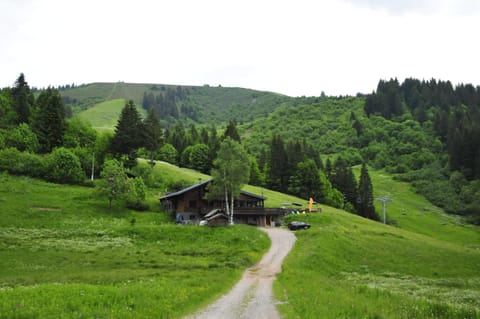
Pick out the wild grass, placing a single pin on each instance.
(349, 267)
(64, 254)
(104, 116)
(409, 210)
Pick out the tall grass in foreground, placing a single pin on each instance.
(63, 254)
(349, 267)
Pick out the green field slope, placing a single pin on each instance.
(349, 267)
(213, 105)
(104, 116)
(63, 254)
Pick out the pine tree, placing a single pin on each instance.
(194, 136)
(329, 169)
(204, 136)
(344, 180)
(256, 177)
(213, 144)
(306, 182)
(23, 100)
(49, 121)
(128, 134)
(152, 134)
(365, 206)
(277, 175)
(178, 138)
(231, 131)
(7, 114)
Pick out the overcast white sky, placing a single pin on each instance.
(300, 47)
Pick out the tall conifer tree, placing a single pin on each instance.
(231, 131)
(23, 100)
(365, 206)
(49, 121)
(152, 133)
(277, 177)
(128, 134)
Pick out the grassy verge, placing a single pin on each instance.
(63, 254)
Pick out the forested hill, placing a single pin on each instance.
(200, 104)
(424, 132)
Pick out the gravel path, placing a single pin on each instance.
(252, 295)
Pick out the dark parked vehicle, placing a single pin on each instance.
(298, 225)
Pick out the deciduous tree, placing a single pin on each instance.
(113, 183)
(231, 171)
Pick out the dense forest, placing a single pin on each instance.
(424, 132)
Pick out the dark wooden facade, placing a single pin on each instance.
(190, 205)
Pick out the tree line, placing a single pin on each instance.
(169, 103)
(454, 111)
(451, 115)
(37, 129)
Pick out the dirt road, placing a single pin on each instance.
(252, 295)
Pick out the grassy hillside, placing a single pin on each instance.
(426, 267)
(348, 267)
(63, 254)
(411, 211)
(104, 116)
(214, 105)
(88, 95)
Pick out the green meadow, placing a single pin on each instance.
(425, 265)
(104, 116)
(64, 254)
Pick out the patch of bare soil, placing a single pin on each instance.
(252, 295)
(46, 209)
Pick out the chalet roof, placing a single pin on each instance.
(185, 190)
(201, 184)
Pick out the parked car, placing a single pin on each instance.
(298, 225)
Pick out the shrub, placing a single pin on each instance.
(22, 163)
(151, 178)
(22, 138)
(136, 194)
(64, 167)
(167, 153)
(199, 158)
(79, 134)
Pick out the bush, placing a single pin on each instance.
(136, 194)
(64, 167)
(22, 138)
(151, 178)
(22, 163)
(167, 153)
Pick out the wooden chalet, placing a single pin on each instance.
(190, 206)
